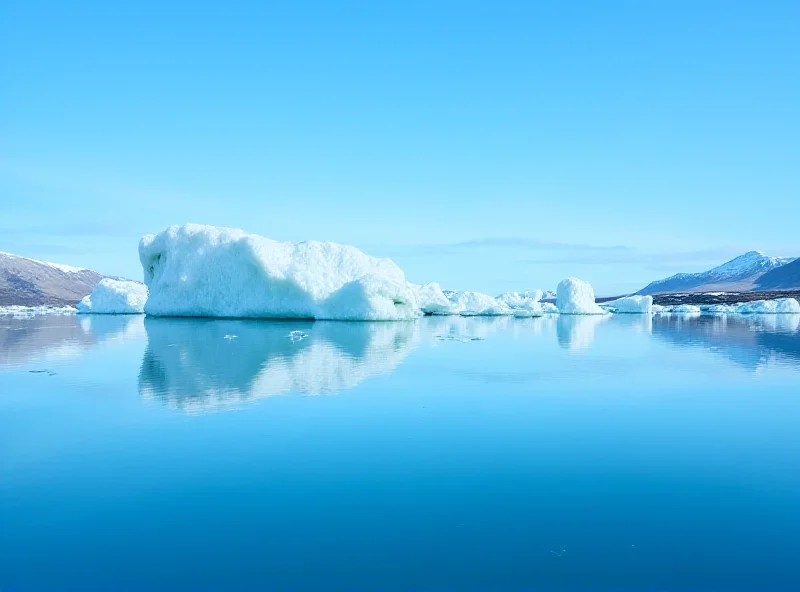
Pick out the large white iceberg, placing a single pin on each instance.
(114, 297)
(195, 270)
(631, 305)
(574, 296)
(778, 306)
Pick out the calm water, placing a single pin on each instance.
(623, 453)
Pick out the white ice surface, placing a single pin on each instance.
(574, 296)
(475, 304)
(778, 306)
(33, 311)
(521, 299)
(195, 270)
(682, 309)
(115, 297)
(430, 299)
(631, 304)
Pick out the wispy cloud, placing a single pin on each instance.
(655, 260)
(528, 243)
(91, 229)
(519, 243)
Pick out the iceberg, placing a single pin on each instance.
(574, 296)
(549, 308)
(195, 270)
(476, 304)
(683, 309)
(34, 311)
(114, 297)
(717, 308)
(431, 299)
(521, 299)
(778, 306)
(631, 304)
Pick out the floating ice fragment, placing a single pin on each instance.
(115, 297)
(631, 305)
(777, 306)
(297, 335)
(574, 296)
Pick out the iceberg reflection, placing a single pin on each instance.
(576, 332)
(200, 365)
(54, 337)
(750, 341)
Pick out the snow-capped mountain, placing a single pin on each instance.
(786, 277)
(737, 275)
(28, 282)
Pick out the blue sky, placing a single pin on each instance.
(489, 146)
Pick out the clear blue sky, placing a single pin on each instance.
(486, 145)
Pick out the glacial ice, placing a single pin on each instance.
(682, 309)
(114, 297)
(431, 299)
(17, 311)
(777, 306)
(718, 308)
(476, 304)
(631, 304)
(195, 270)
(549, 308)
(524, 300)
(574, 296)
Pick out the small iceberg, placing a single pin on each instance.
(630, 305)
(114, 297)
(777, 306)
(476, 304)
(526, 300)
(574, 296)
(431, 299)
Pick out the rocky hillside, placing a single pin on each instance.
(741, 274)
(786, 277)
(28, 282)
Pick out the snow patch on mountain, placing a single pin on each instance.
(738, 274)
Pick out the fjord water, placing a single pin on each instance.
(571, 453)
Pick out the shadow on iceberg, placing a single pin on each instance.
(200, 365)
(749, 341)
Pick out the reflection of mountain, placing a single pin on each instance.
(576, 332)
(750, 340)
(48, 337)
(202, 364)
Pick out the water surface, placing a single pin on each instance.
(571, 453)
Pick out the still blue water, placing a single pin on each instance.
(578, 453)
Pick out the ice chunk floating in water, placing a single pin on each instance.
(778, 306)
(574, 296)
(195, 270)
(115, 297)
(631, 305)
(431, 299)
